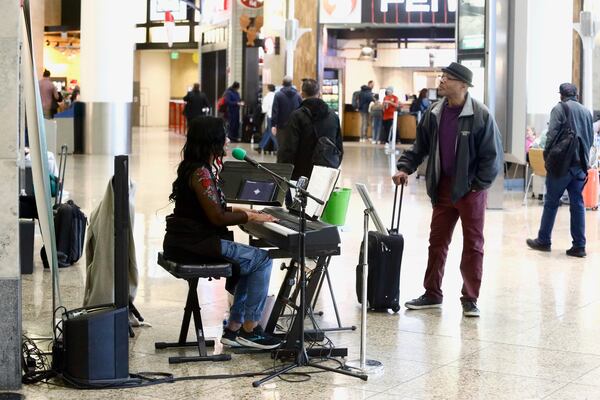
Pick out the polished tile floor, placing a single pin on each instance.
(537, 338)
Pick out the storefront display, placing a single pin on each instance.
(331, 93)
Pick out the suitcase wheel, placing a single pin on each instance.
(396, 308)
(595, 208)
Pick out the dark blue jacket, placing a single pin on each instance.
(365, 97)
(232, 98)
(582, 125)
(285, 101)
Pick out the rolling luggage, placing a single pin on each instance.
(590, 190)
(385, 260)
(69, 224)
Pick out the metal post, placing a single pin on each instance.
(365, 277)
(391, 146)
(364, 365)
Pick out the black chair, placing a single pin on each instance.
(191, 273)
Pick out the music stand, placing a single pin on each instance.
(364, 194)
(234, 174)
(302, 359)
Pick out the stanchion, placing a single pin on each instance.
(365, 365)
(390, 147)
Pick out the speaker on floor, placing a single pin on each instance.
(96, 345)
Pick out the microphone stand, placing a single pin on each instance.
(302, 359)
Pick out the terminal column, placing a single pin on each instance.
(107, 52)
(10, 274)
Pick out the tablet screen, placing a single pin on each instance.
(255, 190)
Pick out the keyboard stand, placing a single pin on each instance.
(324, 277)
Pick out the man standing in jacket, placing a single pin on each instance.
(314, 117)
(465, 152)
(233, 101)
(267, 108)
(574, 178)
(196, 104)
(365, 98)
(285, 101)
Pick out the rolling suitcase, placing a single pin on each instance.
(384, 260)
(590, 190)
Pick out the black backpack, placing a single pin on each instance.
(326, 153)
(356, 100)
(559, 154)
(69, 227)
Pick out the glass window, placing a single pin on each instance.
(159, 7)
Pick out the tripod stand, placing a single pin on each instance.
(302, 359)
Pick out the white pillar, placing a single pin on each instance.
(546, 70)
(107, 52)
(10, 274)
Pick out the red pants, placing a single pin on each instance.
(471, 210)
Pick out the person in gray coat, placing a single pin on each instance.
(575, 177)
(464, 149)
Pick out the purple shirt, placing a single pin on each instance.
(448, 131)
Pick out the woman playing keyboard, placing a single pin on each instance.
(197, 230)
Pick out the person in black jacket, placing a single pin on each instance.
(285, 101)
(196, 104)
(460, 137)
(314, 117)
(365, 97)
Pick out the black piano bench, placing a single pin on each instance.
(191, 273)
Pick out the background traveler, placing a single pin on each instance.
(390, 104)
(365, 98)
(573, 180)
(196, 103)
(267, 108)
(50, 96)
(376, 113)
(285, 101)
(313, 118)
(233, 101)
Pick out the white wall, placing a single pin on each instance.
(358, 73)
(401, 79)
(550, 53)
(155, 84)
(384, 71)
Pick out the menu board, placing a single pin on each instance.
(471, 25)
(330, 93)
(409, 11)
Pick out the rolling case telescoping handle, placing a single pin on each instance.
(397, 204)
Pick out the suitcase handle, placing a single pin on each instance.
(62, 167)
(397, 204)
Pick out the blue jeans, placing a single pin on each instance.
(376, 128)
(267, 137)
(555, 187)
(255, 273)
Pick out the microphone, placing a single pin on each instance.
(240, 154)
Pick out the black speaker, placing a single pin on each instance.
(96, 345)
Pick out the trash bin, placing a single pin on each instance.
(337, 207)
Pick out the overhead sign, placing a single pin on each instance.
(214, 11)
(341, 11)
(409, 11)
(252, 3)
